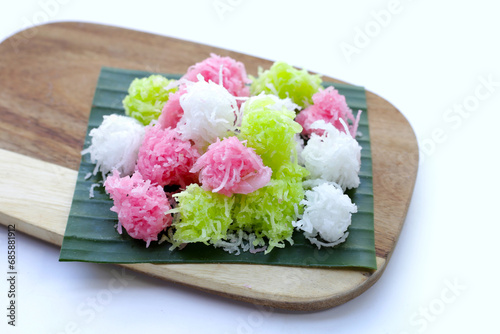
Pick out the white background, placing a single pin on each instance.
(428, 57)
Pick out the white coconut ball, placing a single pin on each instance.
(210, 112)
(327, 213)
(334, 156)
(115, 144)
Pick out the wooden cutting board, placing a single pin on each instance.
(47, 80)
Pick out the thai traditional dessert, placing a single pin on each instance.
(230, 160)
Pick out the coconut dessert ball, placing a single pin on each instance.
(210, 112)
(141, 206)
(204, 216)
(225, 71)
(166, 159)
(172, 111)
(269, 211)
(147, 96)
(228, 167)
(270, 132)
(115, 144)
(330, 107)
(334, 156)
(327, 214)
(285, 81)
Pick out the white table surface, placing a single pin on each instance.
(438, 62)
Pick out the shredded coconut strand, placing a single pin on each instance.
(240, 241)
(92, 187)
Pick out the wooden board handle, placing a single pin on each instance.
(35, 195)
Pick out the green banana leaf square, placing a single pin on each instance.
(91, 235)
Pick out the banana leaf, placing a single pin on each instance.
(91, 235)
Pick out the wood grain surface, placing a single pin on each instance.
(47, 79)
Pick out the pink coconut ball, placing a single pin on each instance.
(229, 167)
(172, 111)
(140, 205)
(233, 73)
(165, 159)
(329, 106)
